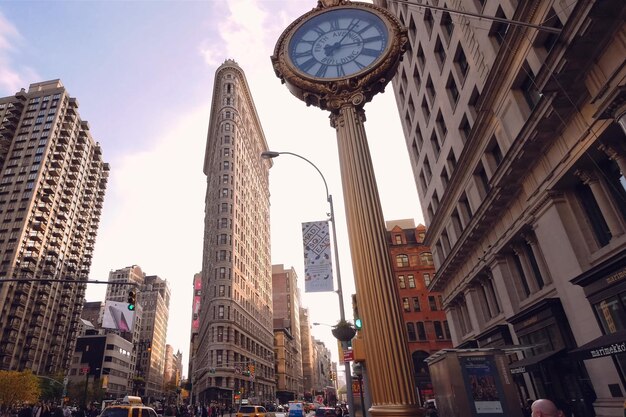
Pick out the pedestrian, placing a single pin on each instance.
(526, 410)
(25, 411)
(545, 408)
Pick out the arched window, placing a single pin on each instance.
(402, 261)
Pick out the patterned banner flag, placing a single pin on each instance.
(318, 265)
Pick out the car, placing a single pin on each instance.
(254, 411)
(130, 406)
(324, 412)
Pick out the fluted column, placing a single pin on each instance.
(390, 368)
(603, 201)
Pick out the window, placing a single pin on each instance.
(426, 258)
(426, 279)
(401, 282)
(447, 25)
(421, 58)
(446, 329)
(429, 21)
(440, 53)
(498, 29)
(416, 304)
(425, 110)
(416, 79)
(438, 330)
(226, 165)
(432, 303)
(220, 334)
(441, 126)
(434, 142)
(482, 181)
(227, 127)
(402, 261)
(596, 220)
(405, 304)
(411, 281)
(220, 312)
(528, 87)
(430, 89)
(453, 91)
(460, 63)
(410, 328)
(494, 152)
(421, 330)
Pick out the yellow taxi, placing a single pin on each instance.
(254, 411)
(130, 406)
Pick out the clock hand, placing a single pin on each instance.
(330, 49)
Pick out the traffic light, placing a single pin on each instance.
(132, 299)
(358, 323)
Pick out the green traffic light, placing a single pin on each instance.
(131, 307)
(358, 324)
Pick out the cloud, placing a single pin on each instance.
(11, 75)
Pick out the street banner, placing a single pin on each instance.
(195, 304)
(318, 266)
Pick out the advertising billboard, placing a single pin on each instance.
(195, 306)
(117, 316)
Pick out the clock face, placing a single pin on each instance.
(338, 43)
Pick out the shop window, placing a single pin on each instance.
(612, 314)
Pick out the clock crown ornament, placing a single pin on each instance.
(342, 52)
(330, 3)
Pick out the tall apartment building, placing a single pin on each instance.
(516, 139)
(150, 329)
(236, 329)
(425, 320)
(52, 184)
(154, 297)
(287, 341)
(322, 367)
(308, 363)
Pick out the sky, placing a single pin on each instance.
(143, 72)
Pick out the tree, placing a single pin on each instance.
(51, 387)
(17, 388)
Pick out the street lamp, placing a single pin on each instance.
(342, 314)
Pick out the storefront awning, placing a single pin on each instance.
(605, 345)
(531, 363)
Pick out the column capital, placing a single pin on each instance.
(587, 177)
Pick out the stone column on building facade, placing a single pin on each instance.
(472, 297)
(531, 239)
(527, 270)
(614, 154)
(452, 322)
(501, 281)
(604, 203)
(486, 282)
(620, 118)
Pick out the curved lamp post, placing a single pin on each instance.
(342, 315)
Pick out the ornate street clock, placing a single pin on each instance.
(334, 51)
(337, 57)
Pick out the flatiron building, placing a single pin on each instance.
(235, 338)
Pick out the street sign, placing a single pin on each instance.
(348, 355)
(84, 370)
